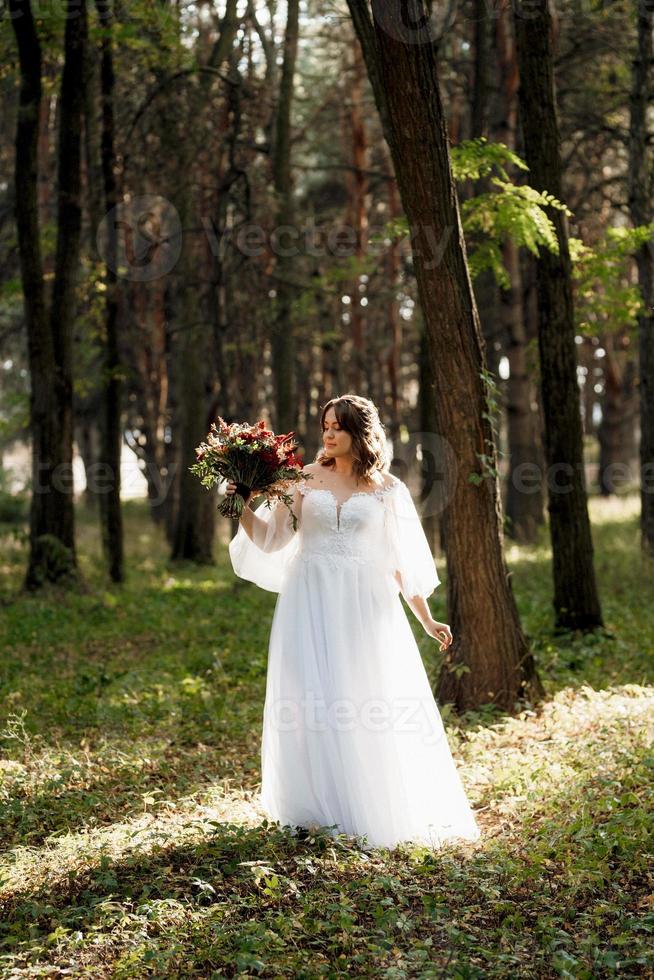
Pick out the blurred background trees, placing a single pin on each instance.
(243, 251)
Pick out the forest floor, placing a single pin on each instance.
(132, 845)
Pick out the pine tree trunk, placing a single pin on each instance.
(193, 528)
(524, 494)
(640, 203)
(111, 428)
(283, 340)
(617, 429)
(69, 226)
(52, 516)
(356, 217)
(481, 88)
(576, 601)
(489, 660)
(393, 319)
(524, 485)
(191, 540)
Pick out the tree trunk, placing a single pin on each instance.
(69, 226)
(640, 204)
(617, 429)
(194, 520)
(524, 495)
(193, 528)
(111, 428)
(481, 88)
(356, 218)
(86, 438)
(393, 319)
(432, 523)
(489, 660)
(191, 541)
(52, 517)
(524, 485)
(576, 601)
(283, 340)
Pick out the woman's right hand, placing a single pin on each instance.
(231, 488)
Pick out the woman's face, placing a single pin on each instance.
(337, 441)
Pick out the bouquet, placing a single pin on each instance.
(253, 457)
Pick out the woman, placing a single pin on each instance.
(352, 737)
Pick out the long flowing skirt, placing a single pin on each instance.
(352, 736)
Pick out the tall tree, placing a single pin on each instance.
(489, 660)
(195, 518)
(356, 218)
(111, 428)
(50, 326)
(524, 510)
(640, 204)
(283, 343)
(576, 601)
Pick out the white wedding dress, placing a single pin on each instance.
(352, 738)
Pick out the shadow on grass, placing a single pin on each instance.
(571, 867)
(96, 796)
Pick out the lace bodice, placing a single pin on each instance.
(380, 528)
(350, 530)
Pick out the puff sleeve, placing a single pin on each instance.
(408, 550)
(265, 559)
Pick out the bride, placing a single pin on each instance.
(353, 740)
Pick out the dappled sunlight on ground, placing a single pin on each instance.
(135, 845)
(161, 823)
(617, 508)
(519, 764)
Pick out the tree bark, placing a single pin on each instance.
(52, 517)
(356, 218)
(393, 319)
(616, 431)
(481, 86)
(524, 486)
(194, 520)
(640, 205)
(524, 491)
(489, 660)
(283, 340)
(576, 601)
(191, 542)
(69, 226)
(111, 428)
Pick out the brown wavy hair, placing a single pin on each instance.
(358, 416)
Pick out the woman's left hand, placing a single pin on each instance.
(440, 632)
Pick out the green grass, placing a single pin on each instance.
(133, 845)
